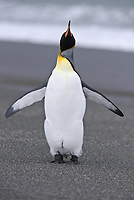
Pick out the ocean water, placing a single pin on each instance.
(102, 24)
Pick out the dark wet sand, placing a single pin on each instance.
(106, 168)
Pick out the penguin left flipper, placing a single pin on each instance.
(26, 100)
(99, 98)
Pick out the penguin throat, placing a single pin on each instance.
(68, 54)
(63, 64)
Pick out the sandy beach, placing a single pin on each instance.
(106, 168)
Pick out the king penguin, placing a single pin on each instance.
(64, 97)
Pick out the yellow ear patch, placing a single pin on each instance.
(68, 30)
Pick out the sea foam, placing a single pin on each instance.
(86, 36)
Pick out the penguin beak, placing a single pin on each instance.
(68, 30)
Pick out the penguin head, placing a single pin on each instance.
(67, 40)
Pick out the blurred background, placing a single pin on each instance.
(104, 31)
(95, 23)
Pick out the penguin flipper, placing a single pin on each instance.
(99, 98)
(26, 100)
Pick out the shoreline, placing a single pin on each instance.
(25, 66)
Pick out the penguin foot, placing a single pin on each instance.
(58, 159)
(74, 159)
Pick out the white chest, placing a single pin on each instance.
(64, 99)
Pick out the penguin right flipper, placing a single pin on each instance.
(26, 100)
(99, 98)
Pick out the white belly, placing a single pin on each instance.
(65, 108)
